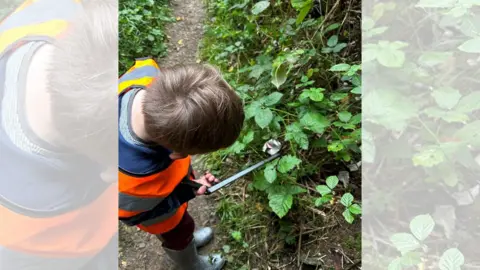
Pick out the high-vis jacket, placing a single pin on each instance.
(152, 190)
(63, 232)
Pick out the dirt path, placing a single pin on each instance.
(138, 250)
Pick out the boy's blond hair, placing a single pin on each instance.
(191, 109)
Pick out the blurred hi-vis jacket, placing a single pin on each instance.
(80, 227)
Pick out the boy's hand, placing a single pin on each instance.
(206, 181)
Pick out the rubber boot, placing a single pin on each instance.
(188, 259)
(203, 236)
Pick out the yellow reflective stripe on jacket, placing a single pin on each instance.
(50, 28)
(141, 74)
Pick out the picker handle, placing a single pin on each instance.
(231, 179)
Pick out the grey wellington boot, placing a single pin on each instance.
(203, 236)
(188, 259)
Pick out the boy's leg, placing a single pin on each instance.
(180, 246)
(181, 236)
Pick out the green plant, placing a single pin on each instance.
(326, 191)
(274, 54)
(351, 209)
(142, 30)
(420, 96)
(290, 89)
(237, 236)
(409, 244)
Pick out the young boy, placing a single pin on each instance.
(58, 195)
(165, 115)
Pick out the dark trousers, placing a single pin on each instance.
(180, 236)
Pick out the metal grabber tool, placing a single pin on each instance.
(272, 147)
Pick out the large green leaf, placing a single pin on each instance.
(389, 54)
(344, 116)
(296, 134)
(404, 242)
(279, 75)
(347, 199)
(332, 41)
(470, 133)
(260, 7)
(452, 259)
(355, 209)
(314, 94)
(389, 109)
(315, 122)
(446, 97)
(323, 190)
(391, 58)
(287, 163)
(270, 173)
(471, 46)
(469, 103)
(348, 216)
(237, 147)
(252, 109)
(421, 226)
(273, 98)
(264, 117)
(260, 182)
(332, 181)
(281, 203)
(294, 190)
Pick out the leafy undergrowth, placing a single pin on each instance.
(296, 66)
(142, 30)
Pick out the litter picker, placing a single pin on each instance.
(272, 147)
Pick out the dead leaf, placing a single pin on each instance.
(344, 177)
(466, 197)
(445, 216)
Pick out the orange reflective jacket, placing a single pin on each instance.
(66, 234)
(152, 194)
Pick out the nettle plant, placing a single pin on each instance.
(292, 87)
(328, 196)
(303, 116)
